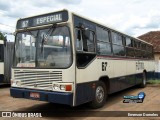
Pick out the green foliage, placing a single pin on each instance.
(1, 36)
(153, 81)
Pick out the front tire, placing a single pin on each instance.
(100, 96)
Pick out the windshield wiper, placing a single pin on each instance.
(30, 32)
(52, 28)
(42, 45)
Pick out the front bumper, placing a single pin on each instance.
(54, 97)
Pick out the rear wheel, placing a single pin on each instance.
(143, 84)
(100, 96)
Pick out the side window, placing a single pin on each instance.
(118, 50)
(1, 53)
(137, 44)
(143, 50)
(138, 51)
(149, 51)
(84, 40)
(117, 43)
(129, 42)
(130, 52)
(143, 46)
(90, 42)
(117, 38)
(104, 48)
(85, 45)
(103, 42)
(102, 34)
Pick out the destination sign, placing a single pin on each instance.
(43, 19)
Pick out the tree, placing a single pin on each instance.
(2, 36)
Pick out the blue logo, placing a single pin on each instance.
(134, 99)
(141, 95)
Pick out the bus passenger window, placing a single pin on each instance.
(117, 39)
(84, 40)
(104, 48)
(89, 39)
(118, 50)
(102, 34)
(129, 42)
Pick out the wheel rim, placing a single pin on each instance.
(99, 94)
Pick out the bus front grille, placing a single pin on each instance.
(37, 79)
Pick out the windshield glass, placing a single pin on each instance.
(25, 50)
(46, 50)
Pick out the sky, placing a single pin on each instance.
(133, 17)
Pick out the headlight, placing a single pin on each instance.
(56, 87)
(62, 87)
(16, 83)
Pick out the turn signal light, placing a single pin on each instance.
(68, 87)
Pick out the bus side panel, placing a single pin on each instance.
(141, 66)
(85, 92)
(124, 74)
(130, 71)
(150, 70)
(119, 75)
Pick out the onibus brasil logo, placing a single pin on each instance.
(134, 99)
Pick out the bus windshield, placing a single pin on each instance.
(46, 48)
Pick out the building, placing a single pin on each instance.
(153, 37)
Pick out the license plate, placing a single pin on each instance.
(35, 95)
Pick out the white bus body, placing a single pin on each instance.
(80, 69)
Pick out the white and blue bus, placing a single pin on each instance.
(1, 61)
(64, 58)
(6, 58)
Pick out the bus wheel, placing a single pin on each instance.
(100, 96)
(143, 84)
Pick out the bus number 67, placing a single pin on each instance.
(104, 66)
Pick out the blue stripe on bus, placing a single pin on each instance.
(157, 75)
(54, 97)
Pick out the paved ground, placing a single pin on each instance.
(114, 103)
